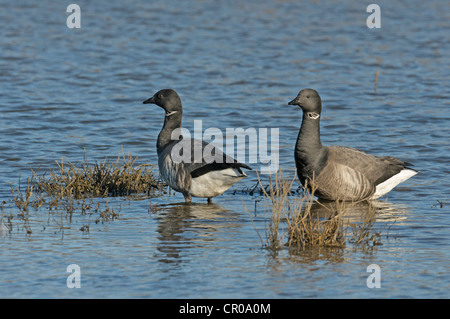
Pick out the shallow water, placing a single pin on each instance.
(78, 92)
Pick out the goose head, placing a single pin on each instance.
(167, 99)
(309, 101)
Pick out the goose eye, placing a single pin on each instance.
(160, 95)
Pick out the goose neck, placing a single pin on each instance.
(171, 123)
(309, 135)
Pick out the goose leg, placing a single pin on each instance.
(188, 198)
(209, 200)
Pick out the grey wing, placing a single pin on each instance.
(199, 157)
(376, 169)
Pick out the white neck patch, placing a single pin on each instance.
(171, 113)
(312, 115)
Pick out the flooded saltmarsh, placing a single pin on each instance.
(77, 93)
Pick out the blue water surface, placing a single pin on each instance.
(77, 93)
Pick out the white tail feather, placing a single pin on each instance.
(215, 183)
(390, 183)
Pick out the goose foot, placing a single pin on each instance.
(188, 198)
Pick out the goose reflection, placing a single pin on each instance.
(360, 211)
(182, 227)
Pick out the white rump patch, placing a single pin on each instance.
(389, 184)
(215, 183)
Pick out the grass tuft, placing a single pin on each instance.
(71, 189)
(300, 222)
(120, 178)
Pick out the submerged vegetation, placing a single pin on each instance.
(301, 222)
(79, 189)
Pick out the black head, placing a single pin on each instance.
(168, 99)
(309, 100)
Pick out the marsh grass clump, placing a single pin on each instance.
(300, 222)
(71, 189)
(307, 230)
(363, 233)
(119, 178)
(26, 200)
(107, 214)
(23, 200)
(277, 193)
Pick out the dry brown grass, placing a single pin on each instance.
(307, 230)
(72, 189)
(295, 223)
(120, 178)
(364, 233)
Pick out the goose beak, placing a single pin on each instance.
(293, 102)
(150, 100)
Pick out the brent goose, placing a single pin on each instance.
(338, 172)
(191, 177)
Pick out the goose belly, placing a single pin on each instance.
(173, 173)
(340, 182)
(215, 183)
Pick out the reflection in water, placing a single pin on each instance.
(4, 230)
(183, 226)
(359, 211)
(363, 224)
